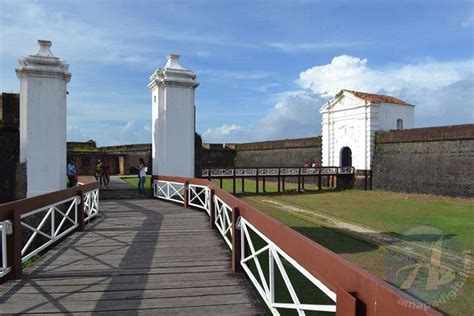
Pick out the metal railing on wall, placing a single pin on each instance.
(331, 175)
(272, 255)
(31, 226)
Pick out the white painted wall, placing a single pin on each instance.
(352, 122)
(43, 80)
(173, 121)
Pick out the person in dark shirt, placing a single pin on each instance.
(105, 178)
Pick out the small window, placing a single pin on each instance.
(399, 124)
(154, 98)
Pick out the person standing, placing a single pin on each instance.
(105, 174)
(71, 173)
(142, 169)
(98, 172)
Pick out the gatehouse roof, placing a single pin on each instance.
(377, 98)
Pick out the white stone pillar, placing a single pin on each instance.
(43, 80)
(173, 119)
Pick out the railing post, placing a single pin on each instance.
(243, 184)
(233, 182)
(14, 248)
(319, 180)
(186, 193)
(278, 179)
(236, 241)
(346, 304)
(80, 211)
(256, 184)
(212, 214)
(370, 183)
(299, 180)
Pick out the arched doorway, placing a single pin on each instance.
(346, 157)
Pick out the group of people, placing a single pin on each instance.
(102, 174)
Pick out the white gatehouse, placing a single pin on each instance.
(349, 123)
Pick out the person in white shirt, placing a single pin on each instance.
(142, 169)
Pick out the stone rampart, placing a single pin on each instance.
(436, 160)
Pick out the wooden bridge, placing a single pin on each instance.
(156, 257)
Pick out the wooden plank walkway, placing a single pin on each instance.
(140, 257)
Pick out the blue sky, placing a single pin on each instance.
(264, 67)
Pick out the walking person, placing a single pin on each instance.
(98, 172)
(142, 169)
(105, 179)
(71, 173)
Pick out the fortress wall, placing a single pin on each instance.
(12, 175)
(279, 153)
(435, 160)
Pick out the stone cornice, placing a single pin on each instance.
(43, 64)
(173, 75)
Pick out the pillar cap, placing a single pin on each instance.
(43, 64)
(44, 48)
(173, 74)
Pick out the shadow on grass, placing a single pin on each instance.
(336, 241)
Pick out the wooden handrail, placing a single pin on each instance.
(335, 272)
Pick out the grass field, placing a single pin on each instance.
(133, 181)
(387, 212)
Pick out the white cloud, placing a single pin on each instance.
(443, 93)
(220, 74)
(129, 126)
(347, 72)
(203, 53)
(469, 21)
(267, 87)
(25, 22)
(314, 46)
(218, 132)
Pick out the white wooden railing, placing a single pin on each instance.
(4, 227)
(200, 197)
(91, 204)
(54, 229)
(264, 282)
(167, 190)
(223, 220)
(32, 225)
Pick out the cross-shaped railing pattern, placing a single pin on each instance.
(173, 191)
(91, 204)
(264, 282)
(64, 211)
(223, 215)
(199, 196)
(29, 227)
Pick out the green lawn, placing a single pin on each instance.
(388, 212)
(270, 186)
(133, 181)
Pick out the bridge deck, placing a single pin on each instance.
(140, 256)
